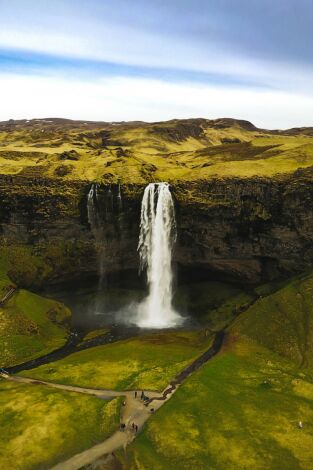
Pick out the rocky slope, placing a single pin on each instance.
(243, 196)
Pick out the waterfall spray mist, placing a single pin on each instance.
(156, 239)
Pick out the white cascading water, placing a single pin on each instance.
(91, 209)
(157, 236)
(97, 230)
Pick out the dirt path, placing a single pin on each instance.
(134, 410)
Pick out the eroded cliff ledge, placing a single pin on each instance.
(244, 229)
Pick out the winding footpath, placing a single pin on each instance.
(134, 410)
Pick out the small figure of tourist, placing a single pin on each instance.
(300, 425)
(136, 428)
(133, 425)
(123, 426)
(135, 394)
(142, 395)
(124, 403)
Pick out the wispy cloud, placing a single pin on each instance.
(263, 48)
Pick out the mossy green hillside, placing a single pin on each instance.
(139, 152)
(283, 321)
(41, 426)
(240, 410)
(148, 362)
(31, 326)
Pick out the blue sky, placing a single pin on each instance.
(156, 59)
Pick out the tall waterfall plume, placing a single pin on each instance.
(156, 239)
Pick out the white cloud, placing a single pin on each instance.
(116, 99)
(121, 44)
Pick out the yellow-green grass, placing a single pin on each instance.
(30, 326)
(239, 411)
(95, 333)
(283, 321)
(41, 426)
(148, 362)
(174, 150)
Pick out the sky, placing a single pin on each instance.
(155, 60)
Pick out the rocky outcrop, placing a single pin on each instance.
(240, 229)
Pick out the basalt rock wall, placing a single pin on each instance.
(249, 230)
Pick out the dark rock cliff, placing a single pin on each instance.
(241, 229)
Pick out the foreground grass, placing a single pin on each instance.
(147, 362)
(41, 427)
(240, 410)
(31, 326)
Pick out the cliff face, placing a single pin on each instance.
(249, 229)
(242, 229)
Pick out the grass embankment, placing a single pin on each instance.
(283, 321)
(30, 325)
(148, 362)
(41, 427)
(242, 409)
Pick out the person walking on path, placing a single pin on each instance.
(142, 395)
(136, 394)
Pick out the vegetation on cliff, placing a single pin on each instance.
(139, 152)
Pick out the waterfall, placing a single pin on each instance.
(156, 239)
(119, 199)
(96, 227)
(91, 208)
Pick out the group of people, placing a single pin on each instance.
(133, 426)
(143, 397)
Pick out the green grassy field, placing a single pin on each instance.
(41, 427)
(240, 410)
(148, 362)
